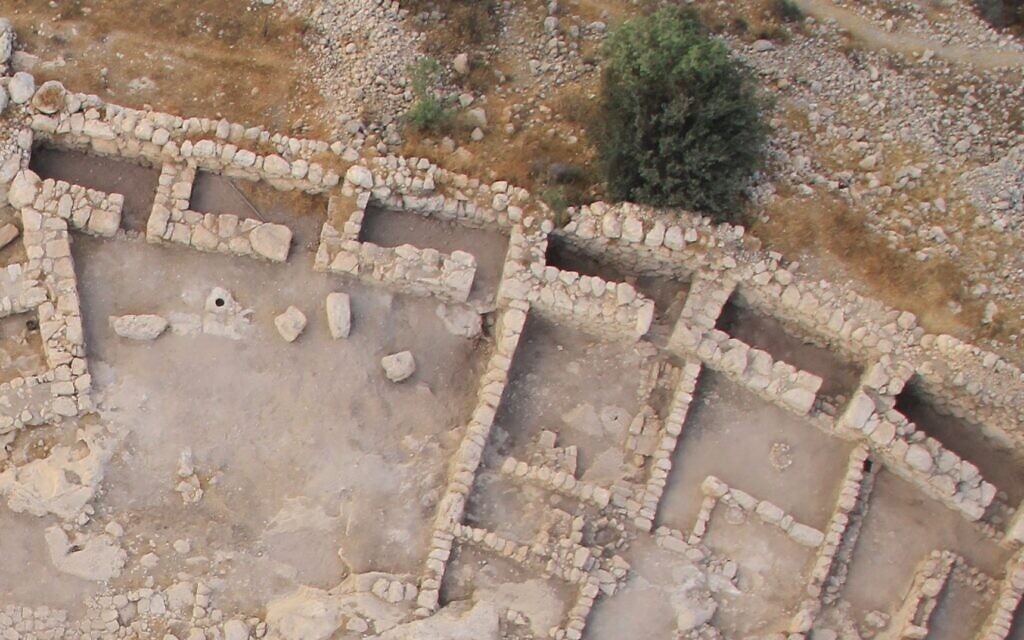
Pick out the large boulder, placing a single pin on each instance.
(49, 98)
(339, 315)
(138, 327)
(290, 324)
(398, 366)
(271, 241)
(21, 87)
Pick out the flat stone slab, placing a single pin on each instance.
(138, 327)
(339, 314)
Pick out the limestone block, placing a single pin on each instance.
(398, 366)
(49, 98)
(359, 176)
(271, 241)
(138, 327)
(21, 87)
(339, 314)
(104, 222)
(290, 324)
(24, 189)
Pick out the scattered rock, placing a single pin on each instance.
(761, 46)
(236, 630)
(339, 314)
(290, 324)
(461, 64)
(138, 327)
(398, 366)
(476, 117)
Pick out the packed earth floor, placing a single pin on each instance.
(261, 386)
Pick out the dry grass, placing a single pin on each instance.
(826, 231)
(204, 57)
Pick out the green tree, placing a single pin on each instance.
(680, 117)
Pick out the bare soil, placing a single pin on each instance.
(257, 412)
(580, 387)
(900, 529)
(724, 414)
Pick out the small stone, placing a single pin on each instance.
(398, 366)
(339, 315)
(476, 117)
(8, 233)
(761, 46)
(138, 327)
(290, 324)
(461, 64)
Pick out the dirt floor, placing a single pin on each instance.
(582, 388)
(21, 347)
(255, 411)
(783, 459)
(961, 612)
(900, 529)
(772, 572)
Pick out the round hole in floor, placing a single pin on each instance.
(219, 302)
(32, 325)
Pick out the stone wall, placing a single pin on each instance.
(405, 268)
(172, 221)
